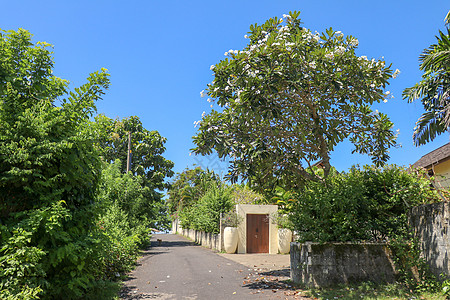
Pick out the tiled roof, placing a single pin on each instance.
(434, 157)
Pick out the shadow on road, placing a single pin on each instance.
(278, 273)
(161, 247)
(129, 293)
(275, 281)
(168, 244)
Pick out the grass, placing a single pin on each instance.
(366, 291)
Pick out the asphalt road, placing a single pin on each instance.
(178, 269)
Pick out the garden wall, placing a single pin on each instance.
(321, 265)
(430, 223)
(205, 239)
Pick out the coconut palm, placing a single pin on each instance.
(433, 89)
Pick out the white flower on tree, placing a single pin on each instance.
(288, 98)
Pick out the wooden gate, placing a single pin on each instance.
(257, 233)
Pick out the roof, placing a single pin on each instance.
(434, 157)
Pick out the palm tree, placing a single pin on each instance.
(433, 89)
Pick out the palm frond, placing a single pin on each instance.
(428, 127)
(433, 90)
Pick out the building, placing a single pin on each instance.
(437, 163)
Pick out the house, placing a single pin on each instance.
(437, 163)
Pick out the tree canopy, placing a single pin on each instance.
(433, 90)
(288, 98)
(189, 186)
(147, 148)
(46, 151)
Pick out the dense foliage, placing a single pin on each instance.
(198, 198)
(189, 186)
(147, 148)
(125, 221)
(49, 171)
(433, 90)
(243, 194)
(129, 192)
(70, 224)
(364, 204)
(205, 214)
(46, 151)
(288, 98)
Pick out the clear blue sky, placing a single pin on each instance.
(159, 54)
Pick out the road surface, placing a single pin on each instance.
(178, 269)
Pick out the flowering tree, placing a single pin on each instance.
(288, 98)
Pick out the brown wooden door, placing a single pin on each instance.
(257, 233)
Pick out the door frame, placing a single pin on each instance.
(244, 209)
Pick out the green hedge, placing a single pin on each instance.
(204, 215)
(363, 204)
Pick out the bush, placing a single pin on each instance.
(188, 187)
(124, 223)
(49, 172)
(242, 194)
(232, 219)
(49, 252)
(120, 246)
(129, 193)
(368, 204)
(53, 244)
(205, 214)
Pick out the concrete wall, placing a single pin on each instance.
(430, 223)
(321, 265)
(176, 226)
(244, 209)
(205, 239)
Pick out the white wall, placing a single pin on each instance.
(242, 210)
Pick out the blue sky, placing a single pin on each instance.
(159, 54)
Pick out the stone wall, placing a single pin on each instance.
(430, 223)
(320, 265)
(205, 239)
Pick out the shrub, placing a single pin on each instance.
(128, 192)
(124, 223)
(205, 214)
(49, 252)
(242, 194)
(120, 245)
(188, 187)
(51, 244)
(49, 170)
(231, 219)
(368, 204)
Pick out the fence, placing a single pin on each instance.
(205, 239)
